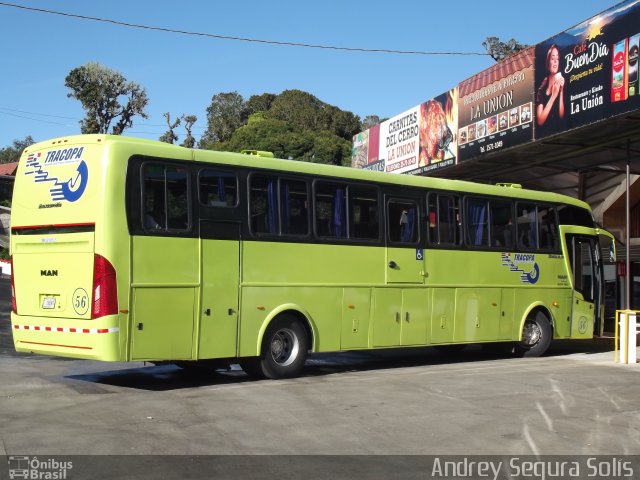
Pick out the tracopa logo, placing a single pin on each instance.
(63, 189)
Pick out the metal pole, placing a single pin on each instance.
(627, 278)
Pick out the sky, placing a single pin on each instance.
(181, 73)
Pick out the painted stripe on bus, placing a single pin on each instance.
(57, 345)
(66, 329)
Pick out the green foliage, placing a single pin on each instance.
(369, 121)
(500, 50)
(12, 153)
(100, 89)
(4, 253)
(293, 124)
(189, 140)
(297, 108)
(170, 136)
(224, 116)
(258, 103)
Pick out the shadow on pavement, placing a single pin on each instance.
(170, 377)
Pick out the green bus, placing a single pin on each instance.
(134, 250)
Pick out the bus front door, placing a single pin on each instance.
(220, 282)
(586, 295)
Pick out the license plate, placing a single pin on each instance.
(49, 302)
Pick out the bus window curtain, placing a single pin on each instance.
(477, 211)
(221, 194)
(271, 207)
(338, 214)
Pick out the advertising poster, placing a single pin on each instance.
(588, 73)
(438, 128)
(365, 150)
(399, 141)
(495, 107)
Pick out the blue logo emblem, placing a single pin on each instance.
(524, 263)
(63, 189)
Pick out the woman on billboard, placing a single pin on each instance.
(550, 96)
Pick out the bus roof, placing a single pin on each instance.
(293, 166)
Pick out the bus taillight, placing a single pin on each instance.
(105, 290)
(14, 305)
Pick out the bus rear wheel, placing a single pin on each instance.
(536, 336)
(284, 350)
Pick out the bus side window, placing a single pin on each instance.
(217, 189)
(363, 213)
(153, 197)
(165, 195)
(527, 226)
(330, 210)
(548, 227)
(263, 203)
(294, 205)
(477, 221)
(501, 224)
(177, 198)
(402, 221)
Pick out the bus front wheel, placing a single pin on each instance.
(536, 336)
(284, 350)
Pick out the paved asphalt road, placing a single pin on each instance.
(575, 401)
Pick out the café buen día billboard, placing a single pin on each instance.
(583, 75)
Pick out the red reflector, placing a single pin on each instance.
(105, 289)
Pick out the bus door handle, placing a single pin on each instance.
(140, 326)
(207, 312)
(393, 264)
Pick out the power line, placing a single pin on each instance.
(14, 113)
(34, 119)
(239, 39)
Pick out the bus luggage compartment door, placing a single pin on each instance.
(165, 279)
(220, 280)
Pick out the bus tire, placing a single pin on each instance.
(536, 336)
(284, 350)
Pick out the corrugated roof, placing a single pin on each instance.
(8, 168)
(508, 66)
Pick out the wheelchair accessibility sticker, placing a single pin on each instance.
(419, 254)
(66, 187)
(524, 263)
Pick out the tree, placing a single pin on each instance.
(13, 152)
(100, 91)
(296, 107)
(293, 124)
(500, 50)
(257, 103)
(370, 121)
(189, 120)
(170, 136)
(224, 116)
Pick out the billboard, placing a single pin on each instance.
(416, 141)
(399, 141)
(589, 72)
(495, 107)
(438, 133)
(366, 148)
